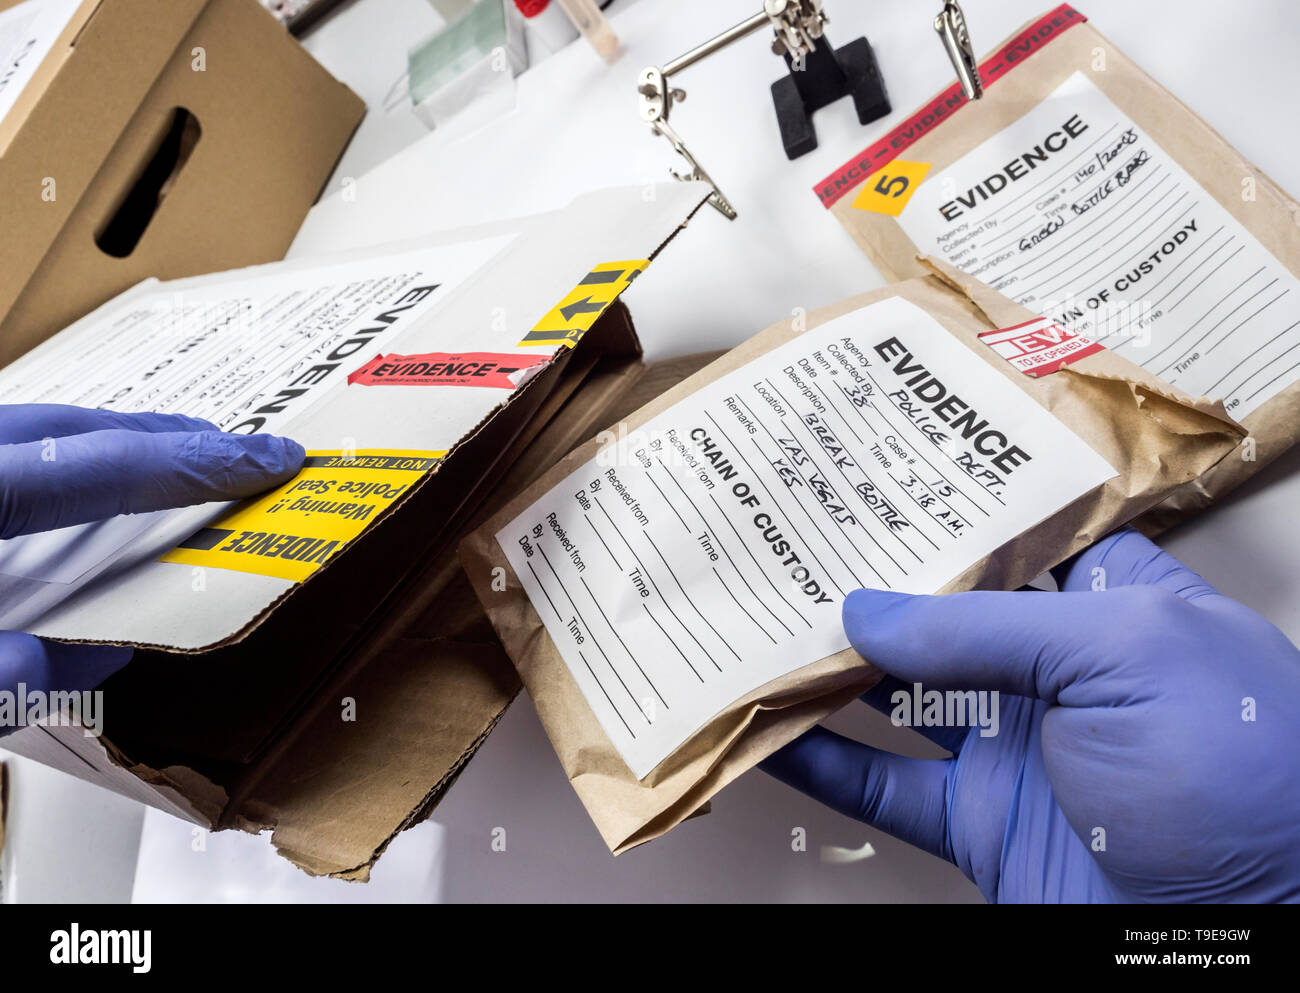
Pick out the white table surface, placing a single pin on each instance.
(574, 127)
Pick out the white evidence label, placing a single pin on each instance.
(1076, 212)
(246, 352)
(709, 551)
(249, 352)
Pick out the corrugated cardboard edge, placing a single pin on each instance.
(186, 792)
(318, 807)
(324, 839)
(361, 873)
(629, 812)
(176, 789)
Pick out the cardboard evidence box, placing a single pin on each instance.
(333, 703)
(141, 138)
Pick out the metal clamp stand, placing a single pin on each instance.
(821, 77)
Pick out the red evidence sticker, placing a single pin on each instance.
(501, 371)
(1039, 347)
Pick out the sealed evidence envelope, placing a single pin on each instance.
(671, 592)
(710, 551)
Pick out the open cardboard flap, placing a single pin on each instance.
(1110, 440)
(335, 799)
(247, 730)
(298, 348)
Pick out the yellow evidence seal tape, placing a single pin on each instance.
(296, 528)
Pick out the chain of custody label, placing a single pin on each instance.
(709, 552)
(1075, 211)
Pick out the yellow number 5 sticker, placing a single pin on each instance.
(888, 190)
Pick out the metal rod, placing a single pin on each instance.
(742, 29)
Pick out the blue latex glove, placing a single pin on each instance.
(63, 465)
(1121, 709)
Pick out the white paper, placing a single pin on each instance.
(710, 551)
(234, 351)
(27, 33)
(64, 555)
(179, 862)
(1111, 237)
(249, 352)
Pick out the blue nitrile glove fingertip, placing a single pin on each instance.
(294, 454)
(272, 455)
(865, 616)
(231, 466)
(31, 665)
(23, 660)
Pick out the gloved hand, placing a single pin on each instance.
(1155, 710)
(62, 465)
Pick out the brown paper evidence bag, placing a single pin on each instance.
(1155, 438)
(1081, 187)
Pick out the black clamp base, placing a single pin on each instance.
(827, 75)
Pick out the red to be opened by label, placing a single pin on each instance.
(1039, 347)
(499, 370)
